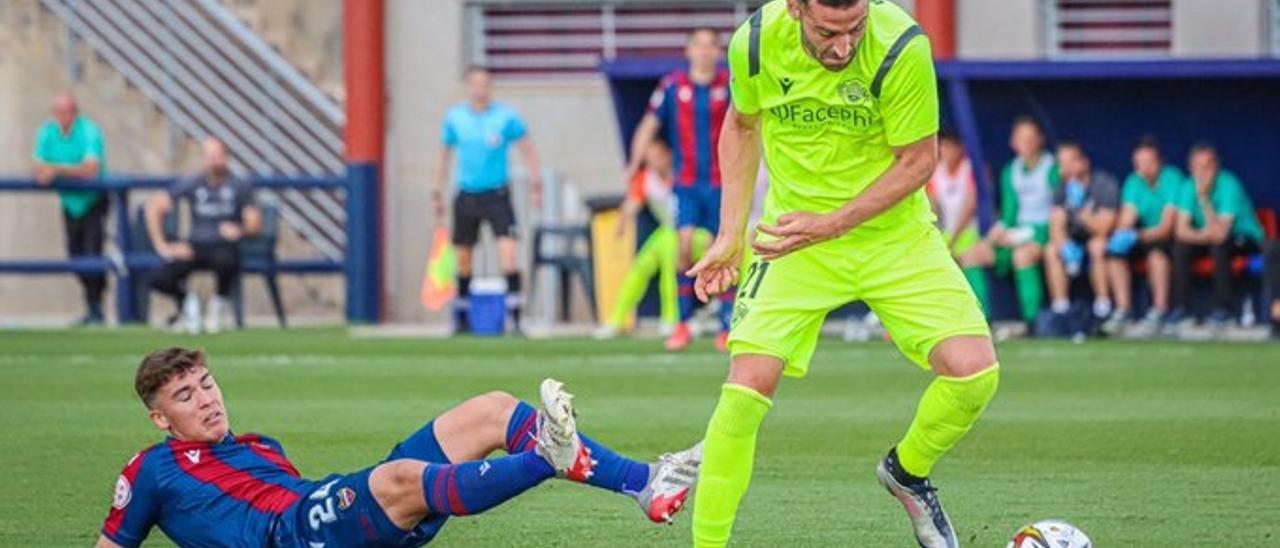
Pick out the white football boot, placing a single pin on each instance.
(670, 480)
(557, 436)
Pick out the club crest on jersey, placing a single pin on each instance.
(852, 91)
(193, 456)
(346, 497)
(123, 494)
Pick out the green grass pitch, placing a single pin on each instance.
(1139, 444)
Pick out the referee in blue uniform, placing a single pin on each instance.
(479, 132)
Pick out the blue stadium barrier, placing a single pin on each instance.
(118, 188)
(1105, 105)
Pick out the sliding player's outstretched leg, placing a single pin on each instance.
(967, 379)
(549, 444)
(660, 488)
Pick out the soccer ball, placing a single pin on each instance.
(1050, 533)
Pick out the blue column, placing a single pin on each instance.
(363, 264)
(126, 300)
(967, 127)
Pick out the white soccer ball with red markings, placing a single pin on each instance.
(1050, 533)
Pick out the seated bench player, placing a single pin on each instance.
(204, 486)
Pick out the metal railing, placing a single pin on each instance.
(211, 76)
(123, 260)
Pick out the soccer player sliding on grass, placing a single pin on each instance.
(204, 486)
(841, 97)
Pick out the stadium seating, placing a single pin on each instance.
(566, 258)
(1203, 267)
(257, 256)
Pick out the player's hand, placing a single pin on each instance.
(1218, 232)
(45, 175)
(230, 231)
(718, 269)
(437, 203)
(794, 231)
(177, 251)
(535, 194)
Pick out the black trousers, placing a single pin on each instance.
(1184, 256)
(1272, 271)
(223, 258)
(85, 236)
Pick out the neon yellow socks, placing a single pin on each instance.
(947, 410)
(727, 457)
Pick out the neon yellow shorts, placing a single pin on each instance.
(968, 238)
(907, 277)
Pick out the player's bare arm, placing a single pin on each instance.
(739, 164)
(1162, 231)
(443, 160)
(534, 168)
(911, 168)
(645, 133)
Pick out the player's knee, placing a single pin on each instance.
(1027, 255)
(1053, 253)
(759, 373)
(397, 484)
(1097, 247)
(963, 356)
(498, 404)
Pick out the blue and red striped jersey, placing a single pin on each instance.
(205, 494)
(691, 117)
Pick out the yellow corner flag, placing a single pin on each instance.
(438, 287)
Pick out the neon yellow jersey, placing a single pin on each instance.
(829, 135)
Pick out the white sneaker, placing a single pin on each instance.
(670, 480)
(557, 436)
(605, 332)
(191, 313)
(213, 316)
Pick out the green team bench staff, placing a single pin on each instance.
(843, 96)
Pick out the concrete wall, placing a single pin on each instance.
(571, 124)
(999, 29)
(34, 58)
(33, 67)
(1220, 28)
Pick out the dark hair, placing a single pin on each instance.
(1148, 141)
(1068, 143)
(1026, 120)
(835, 3)
(162, 365)
(948, 134)
(1203, 146)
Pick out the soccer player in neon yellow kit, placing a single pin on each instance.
(843, 96)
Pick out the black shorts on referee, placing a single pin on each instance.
(491, 206)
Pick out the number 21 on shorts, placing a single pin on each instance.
(750, 284)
